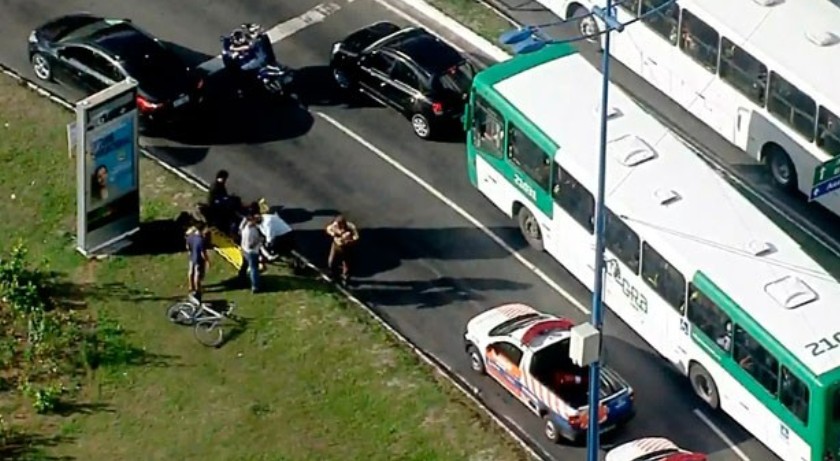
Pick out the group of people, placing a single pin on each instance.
(226, 213)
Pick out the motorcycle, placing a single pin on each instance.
(247, 53)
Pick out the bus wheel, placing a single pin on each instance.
(587, 25)
(530, 228)
(704, 385)
(781, 168)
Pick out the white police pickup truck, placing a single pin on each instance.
(527, 352)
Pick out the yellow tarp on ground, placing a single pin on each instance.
(226, 248)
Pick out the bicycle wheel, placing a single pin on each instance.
(209, 333)
(182, 313)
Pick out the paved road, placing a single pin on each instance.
(426, 268)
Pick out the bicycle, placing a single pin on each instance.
(205, 320)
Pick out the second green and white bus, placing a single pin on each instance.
(694, 268)
(762, 73)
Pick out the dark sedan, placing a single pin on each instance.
(91, 53)
(408, 69)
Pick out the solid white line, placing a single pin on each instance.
(283, 30)
(720, 434)
(454, 206)
(315, 15)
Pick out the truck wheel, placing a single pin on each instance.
(704, 385)
(550, 429)
(781, 168)
(530, 228)
(476, 361)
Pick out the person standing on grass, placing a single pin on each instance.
(344, 237)
(252, 241)
(199, 261)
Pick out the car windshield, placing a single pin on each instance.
(658, 455)
(515, 323)
(144, 58)
(457, 78)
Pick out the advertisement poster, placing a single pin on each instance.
(107, 194)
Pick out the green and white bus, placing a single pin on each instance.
(694, 268)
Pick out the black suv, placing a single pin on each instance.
(408, 69)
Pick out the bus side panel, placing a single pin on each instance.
(572, 246)
(493, 184)
(472, 156)
(739, 403)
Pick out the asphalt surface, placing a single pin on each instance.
(424, 267)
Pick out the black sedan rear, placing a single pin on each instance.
(410, 70)
(91, 53)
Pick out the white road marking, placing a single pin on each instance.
(720, 434)
(457, 209)
(283, 30)
(521, 259)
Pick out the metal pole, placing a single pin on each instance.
(593, 435)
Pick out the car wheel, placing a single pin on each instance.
(550, 429)
(704, 385)
(341, 79)
(781, 168)
(420, 125)
(587, 25)
(476, 361)
(530, 229)
(41, 67)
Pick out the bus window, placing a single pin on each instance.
(793, 107)
(756, 360)
(574, 198)
(747, 74)
(835, 407)
(664, 278)
(663, 22)
(488, 129)
(528, 156)
(622, 241)
(699, 41)
(704, 314)
(794, 395)
(828, 132)
(630, 6)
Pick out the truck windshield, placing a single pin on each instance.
(522, 321)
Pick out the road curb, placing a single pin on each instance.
(437, 365)
(438, 16)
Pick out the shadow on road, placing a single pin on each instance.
(385, 248)
(643, 368)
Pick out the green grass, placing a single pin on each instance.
(475, 16)
(309, 378)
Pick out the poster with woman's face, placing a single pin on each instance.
(111, 164)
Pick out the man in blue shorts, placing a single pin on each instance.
(199, 262)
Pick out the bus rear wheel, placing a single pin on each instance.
(586, 24)
(781, 168)
(530, 228)
(704, 385)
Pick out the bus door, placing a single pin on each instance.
(487, 138)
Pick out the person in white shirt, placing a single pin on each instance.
(252, 242)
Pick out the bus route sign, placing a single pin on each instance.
(826, 178)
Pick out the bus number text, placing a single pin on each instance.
(524, 186)
(636, 298)
(824, 345)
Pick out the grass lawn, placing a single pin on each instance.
(474, 15)
(310, 377)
